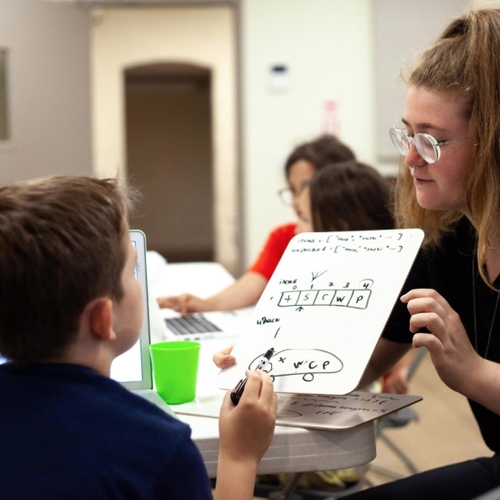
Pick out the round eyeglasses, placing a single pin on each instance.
(286, 195)
(428, 147)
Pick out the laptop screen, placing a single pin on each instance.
(133, 368)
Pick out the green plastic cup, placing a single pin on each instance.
(175, 370)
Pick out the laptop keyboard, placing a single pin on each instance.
(187, 325)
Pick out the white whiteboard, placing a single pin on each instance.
(324, 309)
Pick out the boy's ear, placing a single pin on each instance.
(101, 318)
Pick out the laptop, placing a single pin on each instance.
(133, 368)
(202, 279)
(199, 278)
(207, 325)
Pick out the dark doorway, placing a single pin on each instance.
(169, 158)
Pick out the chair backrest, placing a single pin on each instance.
(400, 418)
(406, 415)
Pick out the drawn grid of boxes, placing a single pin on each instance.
(357, 298)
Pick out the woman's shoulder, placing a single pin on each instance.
(283, 230)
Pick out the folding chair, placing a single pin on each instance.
(398, 419)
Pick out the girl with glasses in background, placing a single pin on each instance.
(300, 166)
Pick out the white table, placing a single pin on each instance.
(292, 449)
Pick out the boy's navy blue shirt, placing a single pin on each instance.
(67, 432)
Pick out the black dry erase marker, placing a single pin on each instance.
(240, 386)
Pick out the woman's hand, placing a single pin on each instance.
(451, 351)
(184, 304)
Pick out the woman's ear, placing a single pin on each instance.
(101, 318)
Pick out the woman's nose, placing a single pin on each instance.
(413, 158)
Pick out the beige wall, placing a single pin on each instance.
(48, 86)
(333, 52)
(328, 48)
(202, 36)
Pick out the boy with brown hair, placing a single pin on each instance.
(69, 304)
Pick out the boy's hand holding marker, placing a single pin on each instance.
(242, 443)
(240, 387)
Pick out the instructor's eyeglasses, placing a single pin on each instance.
(428, 147)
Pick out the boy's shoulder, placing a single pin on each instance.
(79, 393)
(83, 428)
